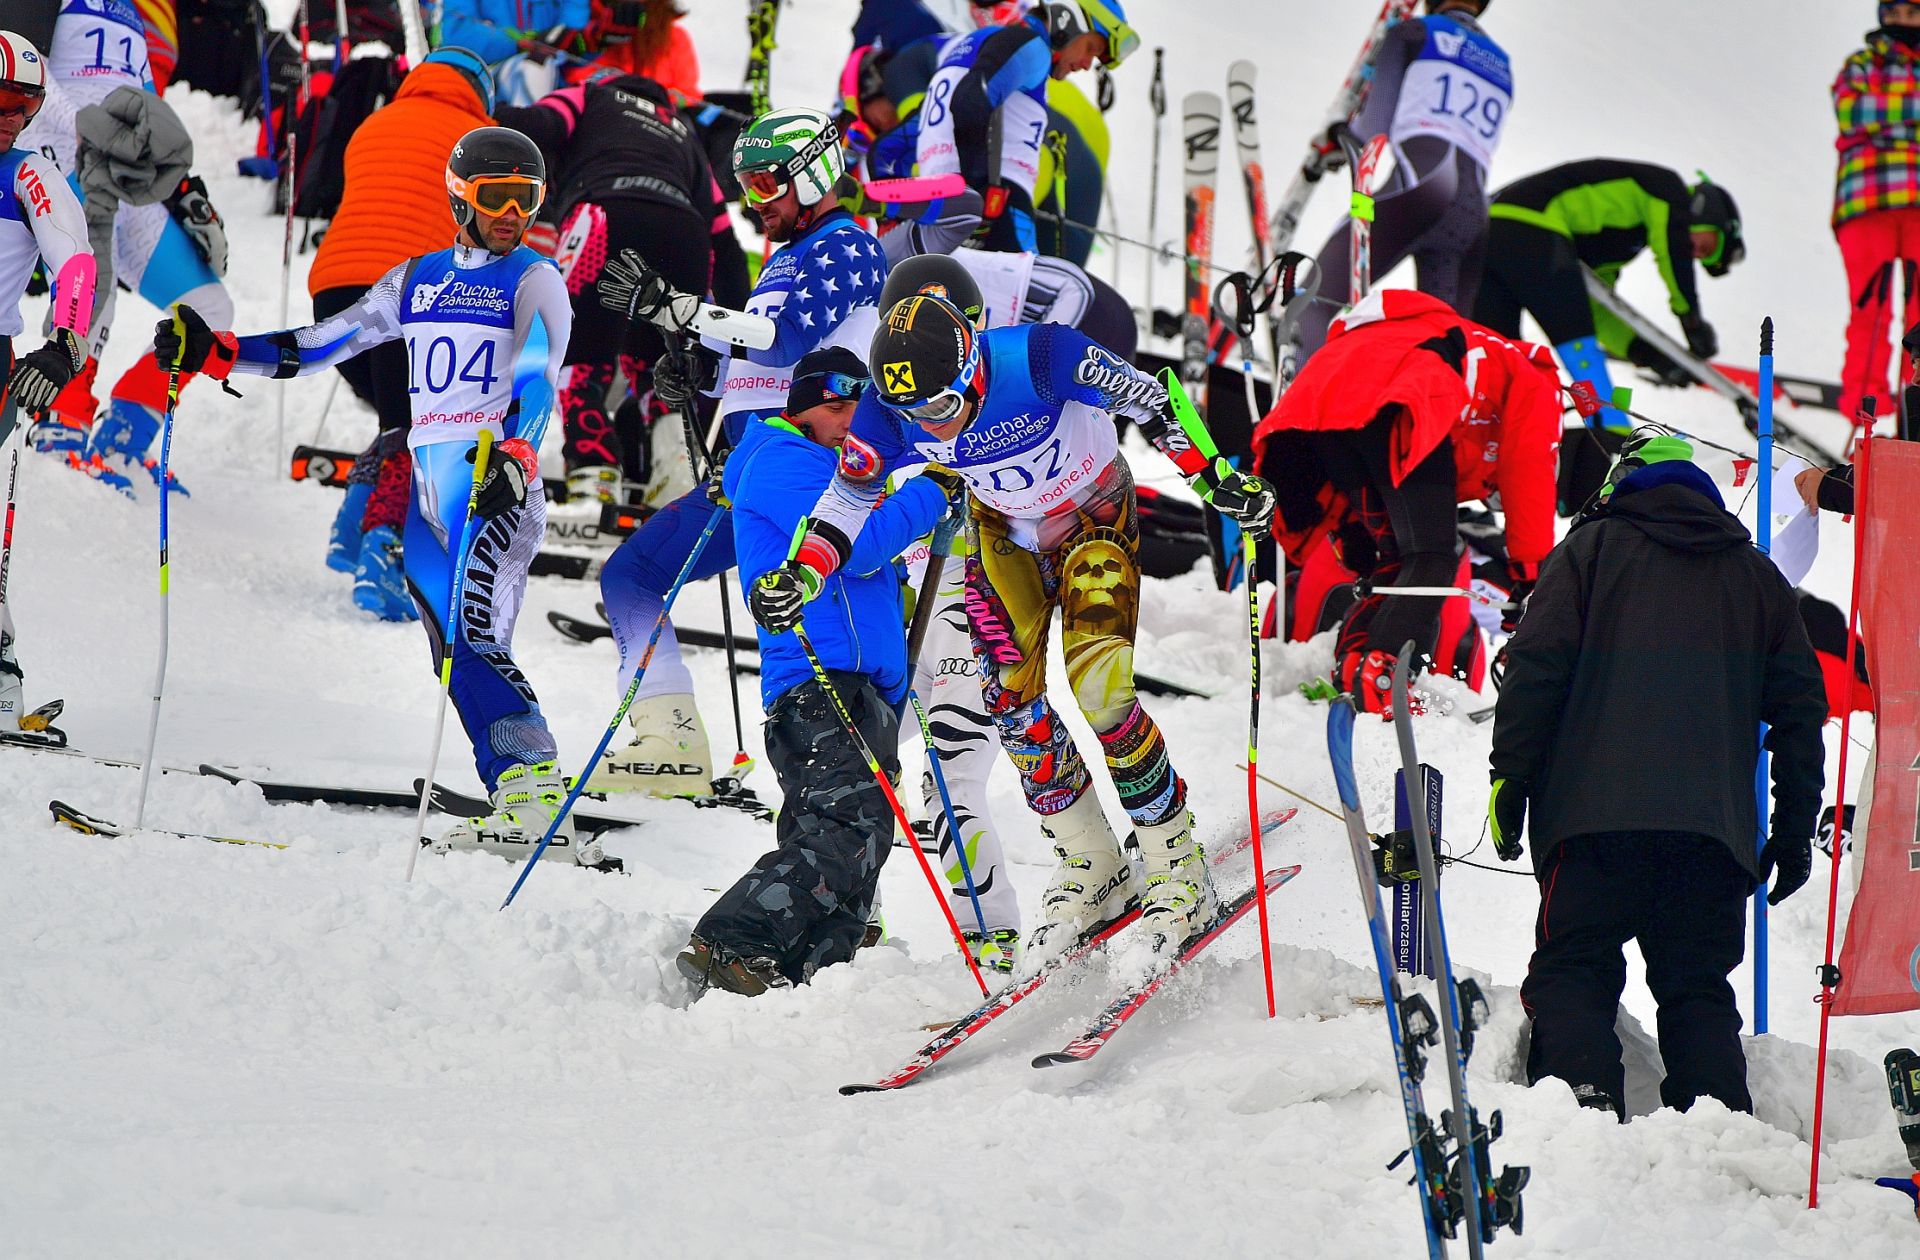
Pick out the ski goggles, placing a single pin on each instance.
(1122, 40)
(1728, 249)
(494, 195)
(764, 183)
(817, 389)
(945, 406)
(16, 99)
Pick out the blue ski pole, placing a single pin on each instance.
(1763, 520)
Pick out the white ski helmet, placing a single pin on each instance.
(23, 72)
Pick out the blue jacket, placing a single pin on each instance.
(858, 622)
(489, 27)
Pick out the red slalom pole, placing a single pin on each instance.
(1829, 975)
(1250, 550)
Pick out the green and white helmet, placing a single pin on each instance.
(802, 146)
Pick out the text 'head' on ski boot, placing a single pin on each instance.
(1092, 884)
(668, 755)
(525, 801)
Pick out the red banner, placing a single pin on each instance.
(1880, 964)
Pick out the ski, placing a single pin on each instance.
(308, 794)
(1128, 1004)
(1242, 77)
(1017, 991)
(93, 825)
(1200, 126)
(1487, 1203)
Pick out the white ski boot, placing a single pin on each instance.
(668, 755)
(575, 522)
(12, 707)
(1179, 901)
(524, 803)
(1092, 885)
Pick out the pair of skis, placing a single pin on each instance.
(1120, 1010)
(1452, 1166)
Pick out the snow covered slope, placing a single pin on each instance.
(221, 1051)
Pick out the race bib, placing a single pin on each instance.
(1459, 90)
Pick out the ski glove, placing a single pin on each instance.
(633, 288)
(193, 351)
(1793, 859)
(716, 466)
(673, 382)
(1245, 499)
(1507, 815)
(202, 223)
(951, 484)
(512, 466)
(1701, 339)
(39, 377)
(780, 596)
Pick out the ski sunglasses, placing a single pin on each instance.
(492, 195)
(17, 100)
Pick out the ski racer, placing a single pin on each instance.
(1658, 642)
(1442, 89)
(989, 96)
(805, 905)
(485, 324)
(1408, 411)
(1025, 417)
(41, 223)
(635, 178)
(818, 290)
(122, 146)
(1602, 213)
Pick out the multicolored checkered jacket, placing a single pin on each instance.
(1876, 100)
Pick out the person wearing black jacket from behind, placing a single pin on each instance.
(1657, 641)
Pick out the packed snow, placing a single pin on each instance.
(221, 1050)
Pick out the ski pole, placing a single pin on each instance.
(1157, 98)
(1763, 539)
(626, 702)
(449, 634)
(886, 788)
(1250, 550)
(160, 670)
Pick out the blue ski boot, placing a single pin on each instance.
(380, 584)
(68, 444)
(343, 542)
(125, 433)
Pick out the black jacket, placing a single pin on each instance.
(1655, 644)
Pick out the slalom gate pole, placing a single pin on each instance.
(160, 670)
(938, 549)
(1763, 539)
(1829, 974)
(886, 788)
(626, 702)
(449, 635)
(1250, 550)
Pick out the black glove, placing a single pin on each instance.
(676, 379)
(1518, 589)
(1507, 815)
(1643, 354)
(196, 215)
(629, 285)
(1241, 497)
(191, 354)
(39, 377)
(716, 466)
(951, 484)
(1701, 339)
(779, 598)
(511, 467)
(1793, 859)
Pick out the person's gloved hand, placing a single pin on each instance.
(202, 223)
(39, 377)
(630, 286)
(716, 466)
(778, 600)
(1520, 583)
(1243, 498)
(1792, 859)
(1701, 339)
(951, 484)
(512, 466)
(674, 380)
(1507, 815)
(190, 344)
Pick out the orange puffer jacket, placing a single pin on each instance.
(395, 205)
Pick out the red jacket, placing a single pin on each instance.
(1498, 400)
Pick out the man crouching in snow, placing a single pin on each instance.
(804, 906)
(1656, 643)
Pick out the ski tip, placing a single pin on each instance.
(1056, 1058)
(865, 1087)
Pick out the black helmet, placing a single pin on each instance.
(491, 168)
(925, 359)
(1479, 6)
(1712, 207)
(941, 275)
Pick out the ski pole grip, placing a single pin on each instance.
(1188, 416)
(480, 452)
(1766, 336)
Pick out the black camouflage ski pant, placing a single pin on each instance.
(805, 904)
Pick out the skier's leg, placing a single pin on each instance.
(1572, 991)
(1693, 938)
(1451, 254)
(590, 443)
(803, 906)
(1869, 245)
(1425, 529)
(1499, 304)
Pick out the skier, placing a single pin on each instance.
(1441, 93)
(805, 905)
(168, 244)
(40, 223)
(989, 96)
(497, 29)
(815, 292)
(1025, 417)
(635, 178)
(1876, 196)
(1407, 412)
(1657, 643)
(1602, 212)
(485, 324)
(392, 208)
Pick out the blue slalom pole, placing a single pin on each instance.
(1763, 518)
(626, 701)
